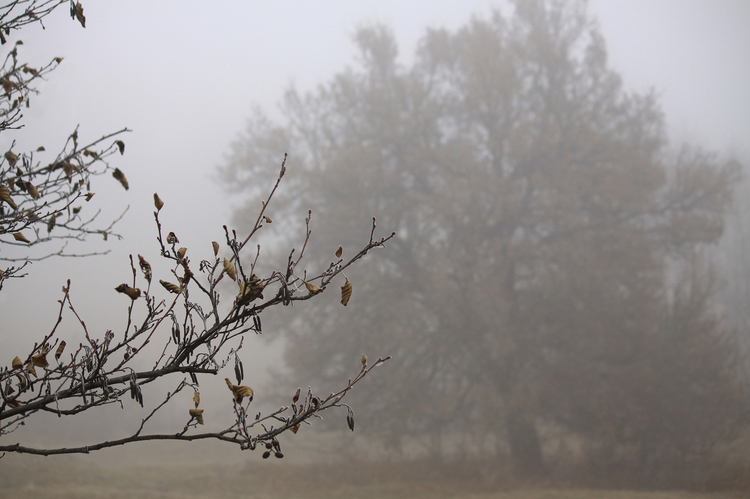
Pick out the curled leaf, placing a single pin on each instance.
(339, 252)
(11, 157)
(5, 196)
(120, 177)
(239, 392)
(181, 253)
(89, 196)
(120, 146)
(133, 293)
(32, 190)
(364, 359)
(172, 238)
(250, 290)
(197, 399)
(59, 351)
(20, 237)
(216, 247)
(196, 414)
(229, 269)
(145, 268)
(77, 13)
(158, 202)
(346, 292)
(295, 428)
(17, 363)
(296, 396)
(40, 359)
(267, 219)
(172, 288)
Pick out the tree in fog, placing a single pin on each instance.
(176, 330)
(546, 270)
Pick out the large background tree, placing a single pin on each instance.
(547, 270)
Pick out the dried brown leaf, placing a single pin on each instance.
(346, 292)
(172, 288)
(32, 190)
(229, 269)
(158, 202)
(133, 293)
(20, 237)
(77, 12)
(5, 196)
(197, 414)
(59, 351)
(312, 288)
(120, 177)
(216, 247)
(240, 392)
(145, 268)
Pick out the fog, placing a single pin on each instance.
(185, 77)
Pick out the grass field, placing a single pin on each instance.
(150, 476)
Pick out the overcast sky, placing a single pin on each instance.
(183, 75)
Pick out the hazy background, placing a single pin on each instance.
(185, 75)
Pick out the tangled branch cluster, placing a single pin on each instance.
(102, 371)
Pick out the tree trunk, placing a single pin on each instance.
(525, 446)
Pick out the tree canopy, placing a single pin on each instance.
(546, 273)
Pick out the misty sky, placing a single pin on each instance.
(185, 75)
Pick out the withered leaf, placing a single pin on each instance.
(296, 396)
(120, 177)
(77, 13)
(181, 253)
(5, 196)
(364, 359)
(158, 202)
(51, 222)
(197, 414)
(17, 363)
(120, 146)
(216, 247)
(11, 157)
(197, 399)
(172, 238)
(59, 351)
(40, 359)
(145, 268)
(239, 392)
(20, 237)
(267, 219)
(40, 149)
(133, 293)
(250, 290)
(295, 428)
(346, 292)
(339, 252)
(89, 196)
(172, 288)
(312, 288)
(32, 190)
(229, 269)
